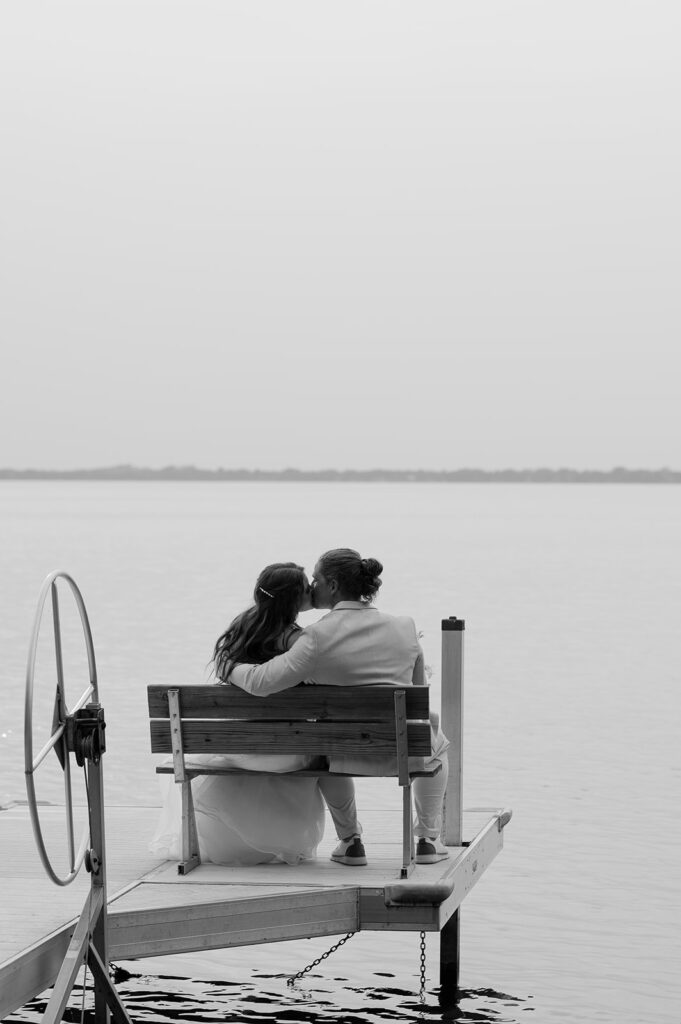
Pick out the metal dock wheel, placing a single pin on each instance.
(58, 741)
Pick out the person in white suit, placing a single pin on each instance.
(357, 645)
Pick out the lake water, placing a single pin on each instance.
(572, 601)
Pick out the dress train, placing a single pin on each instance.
(245, 819)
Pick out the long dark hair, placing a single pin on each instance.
(358, 578)
(256, 634)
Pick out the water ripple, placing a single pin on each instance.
(166, 1000)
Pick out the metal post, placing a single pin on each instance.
(89, 942)
(452, 725)
(107, 1001)
(449, 962)
(452, 832)
(99, 935)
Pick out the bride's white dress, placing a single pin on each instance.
(245, 819)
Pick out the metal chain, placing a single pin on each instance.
(422, 991)
(294, 977)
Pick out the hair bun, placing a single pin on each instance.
(371, 567)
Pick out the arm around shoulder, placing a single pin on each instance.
(282, 672)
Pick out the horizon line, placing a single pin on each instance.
(126, 471)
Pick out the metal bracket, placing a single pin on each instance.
(175, 721)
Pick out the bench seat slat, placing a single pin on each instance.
(354, 703)
(167, 769)
(328, 738)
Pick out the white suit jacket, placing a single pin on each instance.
(354, 645)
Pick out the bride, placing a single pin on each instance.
(257, 819)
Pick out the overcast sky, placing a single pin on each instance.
(350, 234)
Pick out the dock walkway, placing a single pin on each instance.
(155, 911)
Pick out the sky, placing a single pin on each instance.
(340, 235)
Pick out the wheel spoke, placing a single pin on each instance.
(57, 640)
(83, 699)
(59, 714)
(53, 740)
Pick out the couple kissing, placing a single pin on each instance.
(264, 651)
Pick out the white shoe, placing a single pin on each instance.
(351, 852)
(430, 851)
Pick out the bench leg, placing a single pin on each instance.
(407, 833)
(190, 839)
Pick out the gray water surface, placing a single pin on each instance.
(572, 600)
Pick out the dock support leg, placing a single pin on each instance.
(452, 726)
(449, 962)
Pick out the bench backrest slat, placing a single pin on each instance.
(314, 720)
(323, 738)
(351, 703)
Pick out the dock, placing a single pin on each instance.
(133, 905)
(154, 911)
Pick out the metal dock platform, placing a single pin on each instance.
(154, 911)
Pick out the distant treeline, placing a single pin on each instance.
(618, 475)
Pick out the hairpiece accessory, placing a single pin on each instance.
(266, 592)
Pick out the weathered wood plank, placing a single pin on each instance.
(350, 703)
(313, 773)
(324, 738)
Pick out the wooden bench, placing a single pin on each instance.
(375, 721)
